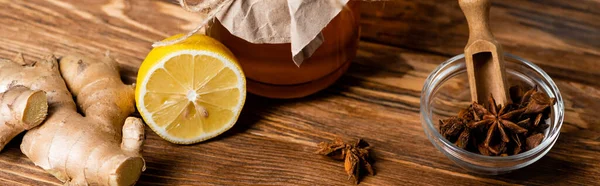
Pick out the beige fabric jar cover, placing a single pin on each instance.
(298, 22)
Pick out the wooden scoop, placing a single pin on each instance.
(483, 55)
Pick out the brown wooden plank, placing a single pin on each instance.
(560, 36)
(378, 100)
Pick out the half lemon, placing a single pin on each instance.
(190, 91)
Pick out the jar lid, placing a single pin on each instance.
(298, 22)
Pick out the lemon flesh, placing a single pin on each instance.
(191, 91)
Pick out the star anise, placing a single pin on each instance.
(356, 156)
(335, 150)
(501, 130)
(497, 117)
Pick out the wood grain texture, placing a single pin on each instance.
(274, 141)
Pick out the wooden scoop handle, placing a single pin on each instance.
(477, 13)
(483, 55)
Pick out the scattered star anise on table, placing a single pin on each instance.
(518, 125)
(356, 156)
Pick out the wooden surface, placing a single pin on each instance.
(377, 100)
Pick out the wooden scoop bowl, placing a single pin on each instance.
(484, 56)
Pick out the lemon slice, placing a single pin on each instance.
(191, 91)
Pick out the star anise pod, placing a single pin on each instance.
(456, 129)
(534, 140)
(452, 127)
(498, 130)
(497, 117)
(335, 150)
(356, 156)
(362, 149)
(357, 159)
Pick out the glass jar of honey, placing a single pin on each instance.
(270, 70)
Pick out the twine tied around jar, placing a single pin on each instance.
(211, 7)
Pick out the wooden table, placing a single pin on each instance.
(377, 100)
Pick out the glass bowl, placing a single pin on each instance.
(446, 91)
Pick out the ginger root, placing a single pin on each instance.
(20, 109)
(99, 146)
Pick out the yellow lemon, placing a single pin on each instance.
(190, 91)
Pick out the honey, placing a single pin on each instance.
(270, 70)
